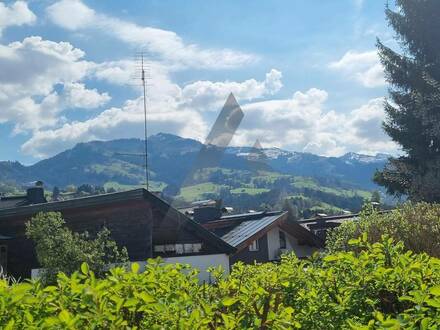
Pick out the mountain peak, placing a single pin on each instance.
(352, 156)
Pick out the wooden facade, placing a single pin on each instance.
(137, 220)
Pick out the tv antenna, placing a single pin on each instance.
(144, 88)
(143, 68)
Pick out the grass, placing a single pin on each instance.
(260, 182)
(303, 182)
(197, 192)
(249, 191)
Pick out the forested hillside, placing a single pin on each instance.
(244, 177)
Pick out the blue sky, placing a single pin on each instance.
(306, 73)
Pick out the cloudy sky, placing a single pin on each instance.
(306, 73)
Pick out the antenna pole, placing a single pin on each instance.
(145, 119)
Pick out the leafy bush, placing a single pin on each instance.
(378, 287)
(61, 250)
(416, 225)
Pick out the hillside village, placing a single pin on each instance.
(206, 228)
(183, 196)
(178, 225)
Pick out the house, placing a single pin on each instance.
(139, 220)
(321, 223)
(258, 236)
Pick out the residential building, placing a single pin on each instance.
(258, 236)
(139, 220)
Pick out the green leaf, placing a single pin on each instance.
(130, 302)
(424, 324)
(64, 316)
(364, 237)
(353, 241)
(10, 325)
(147, 297)
(84, 268)
(330, 258)
(433, 302)
(229, 301)
(435, 290)
(135, 267)
(390, 323)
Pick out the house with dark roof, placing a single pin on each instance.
(138, 219)
(34, 195)
(258, 236)
(321, 223)
(149, 227)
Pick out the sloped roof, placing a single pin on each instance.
(240, 230)
(249, 228)
(105, 199)
(12, 201)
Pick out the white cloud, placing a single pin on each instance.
(115, 72)
(124, 122)
(16, 14)
(170, 109)
(363, 67)
(71, 14)
(77, 95)
(209, 96)
(301, 123)
(167, 45)
(31, 71)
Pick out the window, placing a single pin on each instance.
(178, 248)
(197, 247)
(254, 246)
(282, 240)
(4, 258)
(193, 247)
(159, 248)
(170, 248)
(188, 248)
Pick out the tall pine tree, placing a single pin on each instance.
(413, 105)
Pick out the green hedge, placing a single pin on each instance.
(416, 225)
(379, 287)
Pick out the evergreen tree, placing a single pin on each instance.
(291, 209)
(413, 106)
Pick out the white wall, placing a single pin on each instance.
(273, 241)
(201, 262)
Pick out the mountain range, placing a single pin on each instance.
(118, 164)
(170, 158)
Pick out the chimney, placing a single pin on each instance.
(35, 195)
(207, 213)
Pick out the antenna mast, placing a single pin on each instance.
(144, 78)
(145, 119)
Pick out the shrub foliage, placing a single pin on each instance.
(380, 286)
(61, 250)
(416, 225)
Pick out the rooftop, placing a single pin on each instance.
(111, 198)
(249, 225)
(239, 230)
(7, 202)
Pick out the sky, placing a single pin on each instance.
(306, 73)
